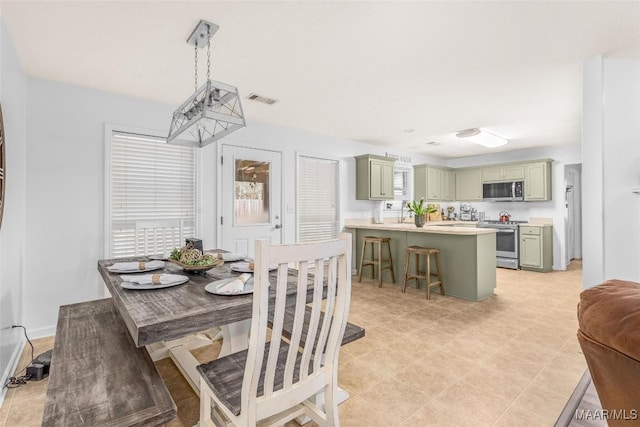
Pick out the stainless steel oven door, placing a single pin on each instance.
(507, 243)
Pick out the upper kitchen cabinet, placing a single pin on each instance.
(374, 177)
(537, 181)
(468, 185)
(503, 173)
(433, 183)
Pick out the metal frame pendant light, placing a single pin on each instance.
(214, 110)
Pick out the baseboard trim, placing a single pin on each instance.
(12, 366)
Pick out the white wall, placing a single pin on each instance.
(522, 211)
(592, 172)
(611, 166)
(12, 233)
(65, 191)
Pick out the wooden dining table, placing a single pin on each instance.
(173, 320)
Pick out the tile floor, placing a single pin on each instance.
(510, 360)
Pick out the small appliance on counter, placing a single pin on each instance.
(504, 216)
(451, 215)
(465, 212)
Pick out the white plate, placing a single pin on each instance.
(243, 267)
(136, 286)
(230, 256)
(156, 265)
(212, 287)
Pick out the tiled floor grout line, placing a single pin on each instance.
(547, 364)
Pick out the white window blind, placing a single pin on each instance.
(318, 199)
(152, 185)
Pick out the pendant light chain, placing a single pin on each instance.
(195, 73)
(208, 54)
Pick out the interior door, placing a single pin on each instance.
(251, 198)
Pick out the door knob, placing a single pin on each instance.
(278, 226)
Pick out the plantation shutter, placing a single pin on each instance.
(318, 199)
(150, 182)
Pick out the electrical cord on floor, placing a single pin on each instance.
(18, 380)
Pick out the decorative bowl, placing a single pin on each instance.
(197, 268)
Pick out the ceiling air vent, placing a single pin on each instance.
(258, 98)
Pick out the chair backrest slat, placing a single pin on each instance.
(276, 331)
(298, 321)
(308, 353)
(340, 310)
(329, 313)
(259, 310)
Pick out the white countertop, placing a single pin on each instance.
(440, 227)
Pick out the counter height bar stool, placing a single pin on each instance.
(426, 252)
(376, 248)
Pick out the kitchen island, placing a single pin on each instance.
(467, 254)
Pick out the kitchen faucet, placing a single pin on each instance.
(404, 203)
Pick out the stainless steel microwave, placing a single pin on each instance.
(512, 191)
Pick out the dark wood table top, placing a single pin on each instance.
(169, 313)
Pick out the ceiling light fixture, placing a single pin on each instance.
(482, 137)
(214, 109)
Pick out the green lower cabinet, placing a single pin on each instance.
(536, 248)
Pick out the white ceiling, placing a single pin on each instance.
(364, 71)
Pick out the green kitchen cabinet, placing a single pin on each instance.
(374, 177)
(433, 183)
(537, 181)
(508, 172)
(446, 184)
(468, 185)
(536, 247)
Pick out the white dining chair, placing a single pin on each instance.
(275, 381)
(158, 237)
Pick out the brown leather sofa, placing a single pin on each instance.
(609, 334)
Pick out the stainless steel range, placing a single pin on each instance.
(507, 238)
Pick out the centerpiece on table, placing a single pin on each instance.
(420, 210)
(193, 259)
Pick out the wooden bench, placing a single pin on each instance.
(98, 376)
(351, 332)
